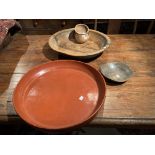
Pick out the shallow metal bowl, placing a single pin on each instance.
(116, 71)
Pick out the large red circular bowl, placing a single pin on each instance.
(59, 94)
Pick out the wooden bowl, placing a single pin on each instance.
(59, 95)
(64, 42)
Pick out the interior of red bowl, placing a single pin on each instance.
(59, 94)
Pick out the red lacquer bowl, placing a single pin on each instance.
(59, 94)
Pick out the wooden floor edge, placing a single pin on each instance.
(123, 121)
(98, 121)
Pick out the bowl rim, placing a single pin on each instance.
(83, 25)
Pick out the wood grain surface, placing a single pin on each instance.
(130, 103)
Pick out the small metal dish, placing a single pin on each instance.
(116, 71)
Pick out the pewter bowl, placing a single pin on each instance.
(116, 71)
